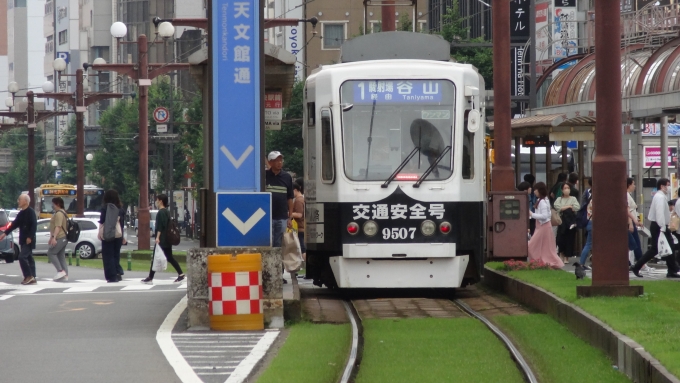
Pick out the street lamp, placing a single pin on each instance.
(142, 72)
(89, 157)
(9, 102)
(57, 170)
(48, 87)
(59, 64)
(13, 87)
(166, 30)
(98, 61)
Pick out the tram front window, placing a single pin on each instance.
(383, 121)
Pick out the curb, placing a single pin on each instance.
(631, 357)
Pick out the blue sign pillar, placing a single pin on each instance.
(236, 95)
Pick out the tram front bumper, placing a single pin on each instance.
(428, 272)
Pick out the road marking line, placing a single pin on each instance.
(182, 286)
(137, 287)
(31, 291)
(226, 335)
(248, 364)
(164, 338)
(5, 297)
(80, 289)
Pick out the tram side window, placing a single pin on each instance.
(311, 114)
(327, 165)
(468, 153)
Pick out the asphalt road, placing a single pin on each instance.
(104, 335)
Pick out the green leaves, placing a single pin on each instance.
(288, 140)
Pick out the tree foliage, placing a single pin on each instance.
(288, 140)
(16, 181)
(481, 58)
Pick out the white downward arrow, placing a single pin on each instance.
(237, 163)
(244, 227)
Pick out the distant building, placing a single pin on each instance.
(25, 44)
(342, 20)
(292, 38)
(476, 13)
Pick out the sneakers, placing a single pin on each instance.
(59, 275)
(148, 281)
(672, 276)
(180, 278)
(119, 278)
(29, 281)
(646, 269)
(586, 268)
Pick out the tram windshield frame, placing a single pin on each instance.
(384, 120)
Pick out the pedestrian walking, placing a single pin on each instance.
(58, 228)
(542, 243)
(111, 243)
(633, 237)
(531, 180)
(567, 206)
(280, 184)
(659, 216)
(162, 223)
(556, 190)
(299, 216)
(573, 184)
(589, 234)
(27, 223)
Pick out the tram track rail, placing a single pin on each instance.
(356, 351)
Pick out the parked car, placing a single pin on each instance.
(92, 215)
(8, 251)
(11, 214)
(88, 245)
(152, 221)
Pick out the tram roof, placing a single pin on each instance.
(395, 45)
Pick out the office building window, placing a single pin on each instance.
(63, 37)
(20, 3)
(333, 35)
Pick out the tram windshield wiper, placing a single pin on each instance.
(431, 168)
(401, 166)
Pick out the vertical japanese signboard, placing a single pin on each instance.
(565, 29)
(236, 95)
(520, 32)
(542, 37)
(62, 121)
(273, 110)
(295, 36)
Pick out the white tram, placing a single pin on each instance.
(394, 166)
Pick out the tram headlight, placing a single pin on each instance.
(352, 228)
(445, 227)
(428, 228)
(370, 228)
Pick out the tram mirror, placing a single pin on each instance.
(473, 120)
(347, 107)
(426, 136)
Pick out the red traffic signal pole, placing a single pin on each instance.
(143, 73)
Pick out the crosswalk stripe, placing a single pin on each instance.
(5, 297)
(31, 291)
(137, 287)
(80, 289)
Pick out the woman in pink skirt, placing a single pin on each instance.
(542, 244)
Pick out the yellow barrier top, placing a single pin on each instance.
(229, 263)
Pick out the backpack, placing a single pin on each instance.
(72, 229)
(582, 214)
(111, 223)
(172, 232)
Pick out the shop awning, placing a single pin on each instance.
(573, 126)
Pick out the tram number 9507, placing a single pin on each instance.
(399, 233)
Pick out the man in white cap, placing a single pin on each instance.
(280, 184)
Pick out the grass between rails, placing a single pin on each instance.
(313, 353)
(434, 350)
(652, 320)
(137, 265)
(556, 355)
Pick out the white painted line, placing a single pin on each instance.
(214, 373)
(31, 291)
(182, 286)
(164, 338)
(5, 297)
(224, 334)
(248, 364)
(80, 289)
(137, 287)
(245, 346)
(9, 275)
(214, 368)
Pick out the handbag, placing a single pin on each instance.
(675, 222)
(555, 219)
(292, 254)
(663, 246)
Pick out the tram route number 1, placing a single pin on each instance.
(399, 233)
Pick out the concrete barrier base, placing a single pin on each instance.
(197, 285)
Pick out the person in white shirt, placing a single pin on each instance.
(633, 238)
(660, 217)
(542, 243)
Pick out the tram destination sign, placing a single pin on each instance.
(398, 91)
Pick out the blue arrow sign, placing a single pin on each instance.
(236, 95)
(244, 219)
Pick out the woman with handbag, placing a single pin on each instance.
(567, 206)
(111, 246)
(162, 222)
(542, 243)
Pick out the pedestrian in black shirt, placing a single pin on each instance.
(280, 184)
(26, 222)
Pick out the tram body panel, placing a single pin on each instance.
(340, 188)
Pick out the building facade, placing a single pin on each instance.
(25, 44)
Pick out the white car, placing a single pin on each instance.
(11, 214)
(92, 215)
(88, 245)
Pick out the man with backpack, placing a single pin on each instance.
(58, 241)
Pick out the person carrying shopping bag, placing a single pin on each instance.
(567, 206)
(162, 223)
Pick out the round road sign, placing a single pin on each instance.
(161, 115)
